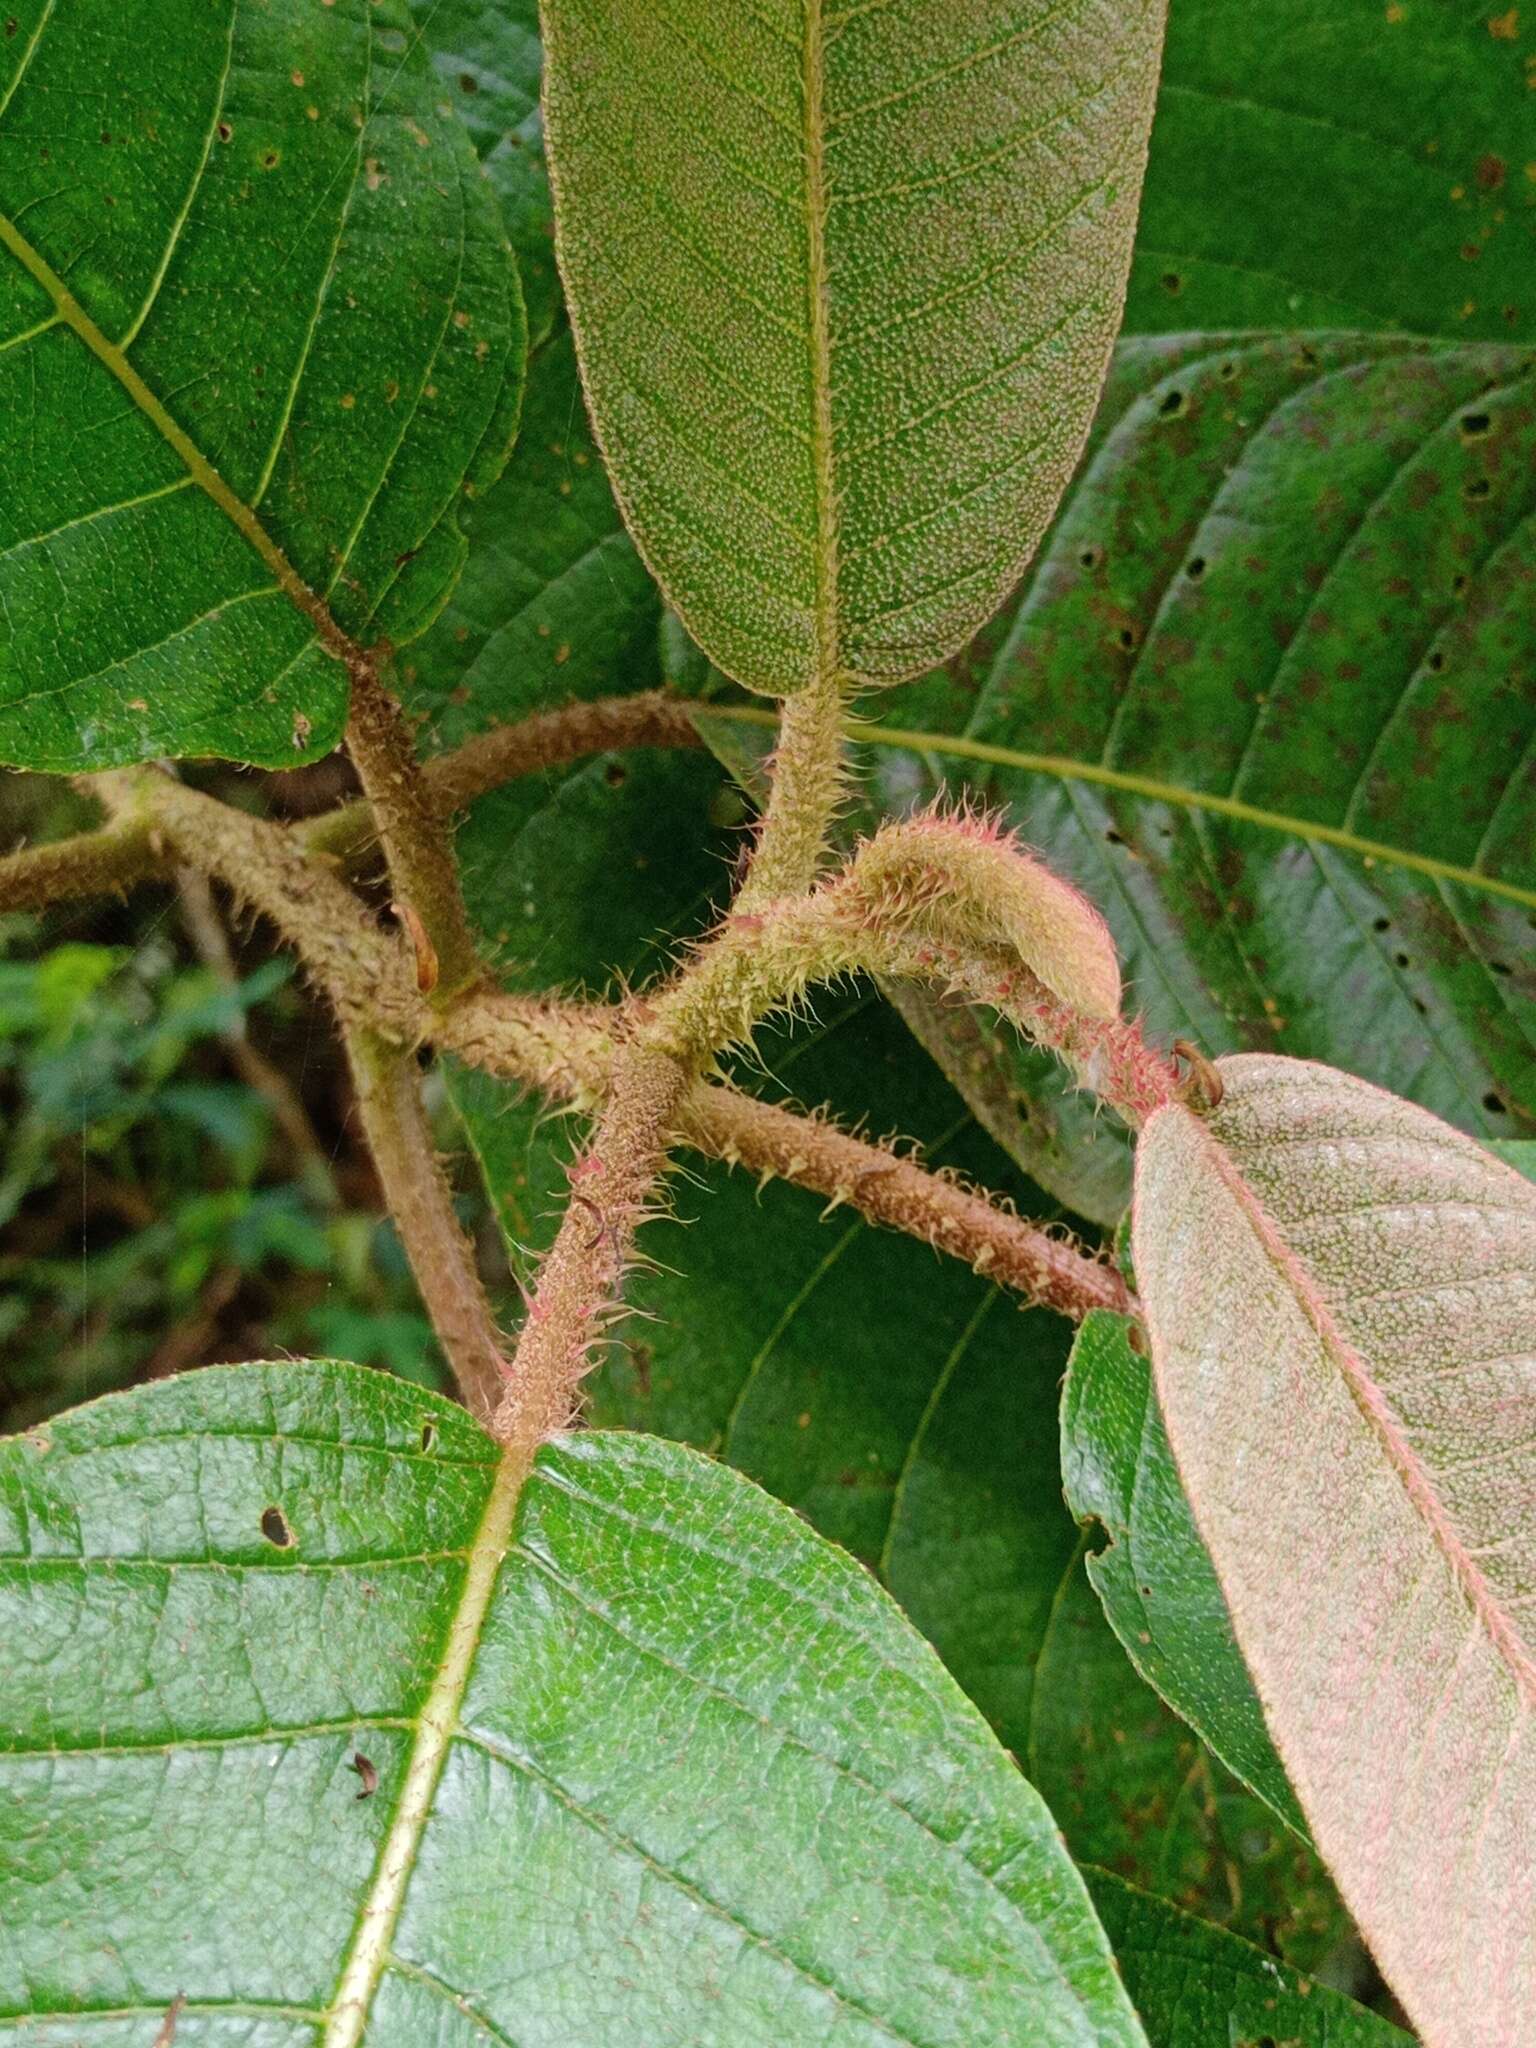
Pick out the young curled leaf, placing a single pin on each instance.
(947, 900)
(962, 876)
(1341, 1296)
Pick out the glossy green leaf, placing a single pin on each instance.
(260, 333)
(1341, 1293)
(316, 1719)
(554, 603)
(1195, 1986)
(489, 58)
(1153, 1573)
(845, 297)
(1341, 163)
(1268, 699)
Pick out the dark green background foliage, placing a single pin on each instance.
(347, 380)
(1268, 693)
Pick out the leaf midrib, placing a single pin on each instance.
(1417, 1480)
(436, 1726)
(114, 359)
(1065, 769)
(813, 86)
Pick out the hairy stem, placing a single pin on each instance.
(394, 1120)
(416, 844)
(567, 1052)
(807, 768)
(370, 984)
(612, 1182)
(572, 1052)
(563, 1050)
(362, 970)
(578, 1284)
(550, 739)
(898, 1194)
(124, 856)
(104, 863)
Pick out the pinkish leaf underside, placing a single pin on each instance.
(1341, 1294)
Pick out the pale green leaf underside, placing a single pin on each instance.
(845, 292)
(654, 1763)
(259, 332)
(1341, 1294)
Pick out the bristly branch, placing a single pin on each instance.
(897, 1193)
(362, 969)
(416, 843)
(575, 1054)
(808, 774)
(550, 739)
(395, 1124)
(611, 1185)
(104, 863)
(368, 979)
(124, 856)
(566, 1052)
